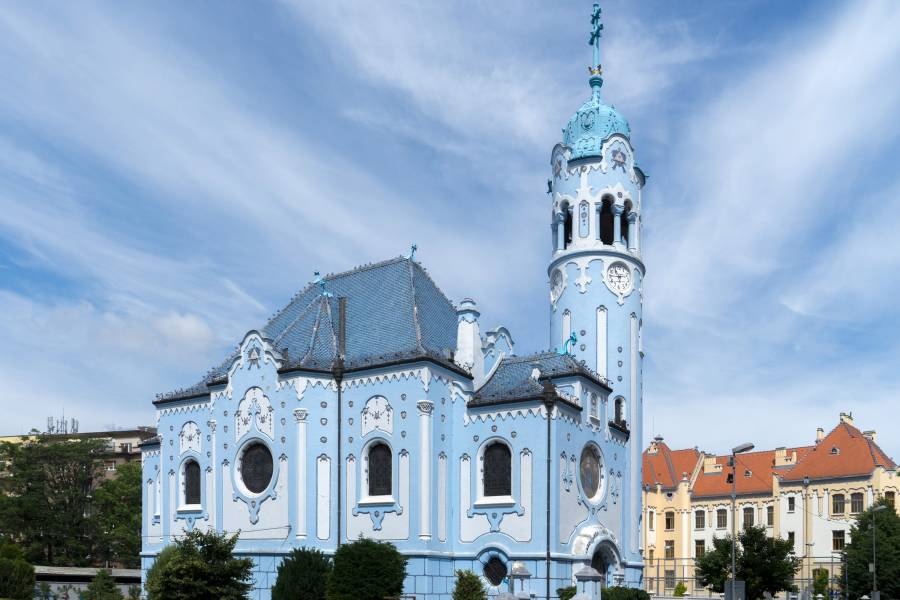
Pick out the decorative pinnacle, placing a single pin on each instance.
(412, 252)
(596, 70)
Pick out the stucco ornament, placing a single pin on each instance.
(377, 414)
(189, 438)
(255, 406)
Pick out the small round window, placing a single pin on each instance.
(495, 570)
(256, 467)
(591, 471)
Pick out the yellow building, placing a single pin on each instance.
(807, 494)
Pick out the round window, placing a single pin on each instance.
(495, 570)
(591, 473)
(256, 467)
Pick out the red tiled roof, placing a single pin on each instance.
(761, 467)
(856, 455)
(665, 466)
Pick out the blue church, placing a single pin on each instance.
(373, 405)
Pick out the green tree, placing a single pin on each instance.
(154, 573)
(859, 553)
(302, 575)
(469, 587)
(16, 579)
(765, 564)
(202, 567)
(45, 498)
(680, 590)
(103, 587)
(117, 517)
(820, 582)
(566, 593)
(366, 570)
(625, 593)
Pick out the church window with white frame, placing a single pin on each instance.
(380, 470)
(191, 482)
(497, 470)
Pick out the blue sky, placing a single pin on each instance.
(171, 174)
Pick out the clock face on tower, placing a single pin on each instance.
(619, 278)
(556, 285)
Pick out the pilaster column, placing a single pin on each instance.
(617, 223)
(560, 224)
(632, 231)
(425, 409)
(300, 416)
(212, 493)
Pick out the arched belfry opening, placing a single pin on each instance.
(607, 221)
(567, 226)
(626, 219)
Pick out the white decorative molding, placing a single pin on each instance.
(377, 414)
(300, 414)
(189, 438)
(254, 409)
(323, 497)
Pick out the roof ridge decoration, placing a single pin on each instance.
(415, 300)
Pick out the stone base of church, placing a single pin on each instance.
(433, 577)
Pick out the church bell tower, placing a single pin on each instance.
(596, 269)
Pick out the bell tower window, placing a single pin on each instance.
(626, 214)
(607, 221)
(567, 227)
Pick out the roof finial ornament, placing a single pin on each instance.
(321, 281)
(596, 70)
(573, 339)
(412, 252)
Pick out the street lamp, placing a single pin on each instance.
(746, 447)
(875, 509)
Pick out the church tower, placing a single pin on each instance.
(596, 269)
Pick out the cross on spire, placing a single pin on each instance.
(596, 28)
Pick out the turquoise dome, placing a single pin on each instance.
(593, 124)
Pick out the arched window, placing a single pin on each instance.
(607, 219)
(191, 482)
(625, 215)
(379, 470)
(497, 470)
(620, 411)
(567, 228)
(837, 504)
(495, 570)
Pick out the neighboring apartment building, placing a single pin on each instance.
(808, 494)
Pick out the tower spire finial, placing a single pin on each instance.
(596, 70)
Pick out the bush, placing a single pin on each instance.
(468, 587)
(16, 579)
(103, 587)
(566, 593)
(366, 570)
(680, 589)
(202, 567)
(154, 573)
(302, 575)
(625, 593)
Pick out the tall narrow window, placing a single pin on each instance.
(650, 520)
(567, 228)
(601, 341)
(721, 518)
(607, 221)
(497, 470)
(837, 540)
(837, 504)
(856, 502)
(770, 516)
(699, 548)
(191, 482)
(624, 222)
(700, 519)
(748, 517)
(670, 521)
(889, 498)
(670, 549)
(792, 504)
(584, 219)
(379, 470)
(791, 538)
(620, 411)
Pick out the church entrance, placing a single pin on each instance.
(601, 565)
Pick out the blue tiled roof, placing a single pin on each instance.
(394, 311)
(512, 380)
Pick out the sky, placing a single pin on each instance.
(172, 173)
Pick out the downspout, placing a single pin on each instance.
(338, 372)
(549, 399)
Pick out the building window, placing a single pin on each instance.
(670, 521)
(748, 517)
(792, 504)
(495, 570)
(650, 520)
(256, 467)
(110, 465)
(191, 482)
(620, 411)
(700, 519)
(791, 538)
(770, 516)
(837, 539)
(670, 549)
(650, 556)
(721, 518)
(591, 471)
(607, 220)
(567, 227)
(669, 581)
(856, 503)
(837, 504)
(889, 498)
(497, 470)
(699, 548)
(380, 470)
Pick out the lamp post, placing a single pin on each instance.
(746, 447)
(876, 509)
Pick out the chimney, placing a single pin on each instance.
(870, 434)
(654, 445)
(710, 465)
(468, 340)
(781, 457)
(820, 434)
(847, 418)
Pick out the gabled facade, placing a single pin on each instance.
(372, 406)
(808, 494)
